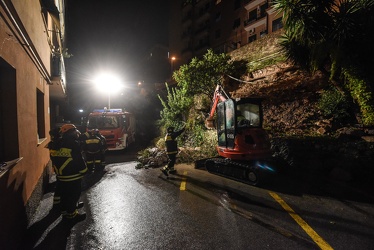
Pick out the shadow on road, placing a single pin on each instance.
(50, 232)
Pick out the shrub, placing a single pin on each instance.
(334, 104)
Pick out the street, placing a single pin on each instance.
(129, 208)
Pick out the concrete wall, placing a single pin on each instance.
(24, 50)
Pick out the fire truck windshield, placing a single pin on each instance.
(103, 122)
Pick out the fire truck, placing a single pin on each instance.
(116, 125)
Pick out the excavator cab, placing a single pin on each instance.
(243, 145)
(239, 130)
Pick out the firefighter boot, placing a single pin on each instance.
(80, 204)
(164, 170)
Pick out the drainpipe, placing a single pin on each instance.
(26, 43)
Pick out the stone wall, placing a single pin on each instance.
(258, 49)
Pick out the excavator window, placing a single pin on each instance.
(226, 123)
(248, 115)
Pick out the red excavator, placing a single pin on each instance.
(243, 145)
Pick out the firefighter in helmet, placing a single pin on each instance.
(69, 166)
(171, 149)
(94, 148)
(55, 137)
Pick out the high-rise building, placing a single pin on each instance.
(221, 25)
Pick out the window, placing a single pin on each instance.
(103, 122)
(226, 123)
(277, 24)
(9, 147)
(251, 113)
(236, 23)
(40, 116)
(252, 38)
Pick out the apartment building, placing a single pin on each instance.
(222, 25)
(32, 84)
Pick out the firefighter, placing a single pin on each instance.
(171, 149)
(94, 148)
(104, 147)
(55, 136)
(69, 166)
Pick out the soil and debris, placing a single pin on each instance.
(301, 136)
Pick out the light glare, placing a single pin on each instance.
(108, 83)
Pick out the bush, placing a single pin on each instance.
(334, 104)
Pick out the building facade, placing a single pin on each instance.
(32, 83)
(221, 25)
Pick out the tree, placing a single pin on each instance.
(176, 108)
(334, 36)
(202, 75)
(198, 77)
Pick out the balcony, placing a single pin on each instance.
(58, 77)
(253, 4)
(254, 23)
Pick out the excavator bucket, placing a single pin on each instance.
(209, 123)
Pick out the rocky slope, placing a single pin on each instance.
(300, 135)
(306, 142)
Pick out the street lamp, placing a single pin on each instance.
(172, 59)
(109, 83)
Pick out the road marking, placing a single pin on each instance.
(183, 183)
(312, 234)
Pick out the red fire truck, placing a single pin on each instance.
(116, 125)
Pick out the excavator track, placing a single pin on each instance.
(246, 172)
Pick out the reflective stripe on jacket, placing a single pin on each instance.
(68, 162)
(171, 143)
(93, 144)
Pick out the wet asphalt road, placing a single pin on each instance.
(129, 208)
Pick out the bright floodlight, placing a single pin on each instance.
(108, 83)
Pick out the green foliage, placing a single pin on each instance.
(264, 62)
(187, 102)
(175, 109)
(202, 75)
(327, 32)
(333, 35)
(201, 144)
(362, 93)
(334, 104)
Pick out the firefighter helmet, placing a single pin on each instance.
(67, 127)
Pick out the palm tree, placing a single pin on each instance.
(334, 36)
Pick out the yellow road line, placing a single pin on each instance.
(183, 183)
(313, 234)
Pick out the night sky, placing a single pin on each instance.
(112, 35)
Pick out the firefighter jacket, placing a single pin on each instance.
(93, 144)
(67, 160)
(171, 143)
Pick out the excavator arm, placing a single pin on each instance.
(219, 95)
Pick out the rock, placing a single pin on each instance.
(321, 131)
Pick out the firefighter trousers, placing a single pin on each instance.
(171, 162)
(93, 160)
(70, 192)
